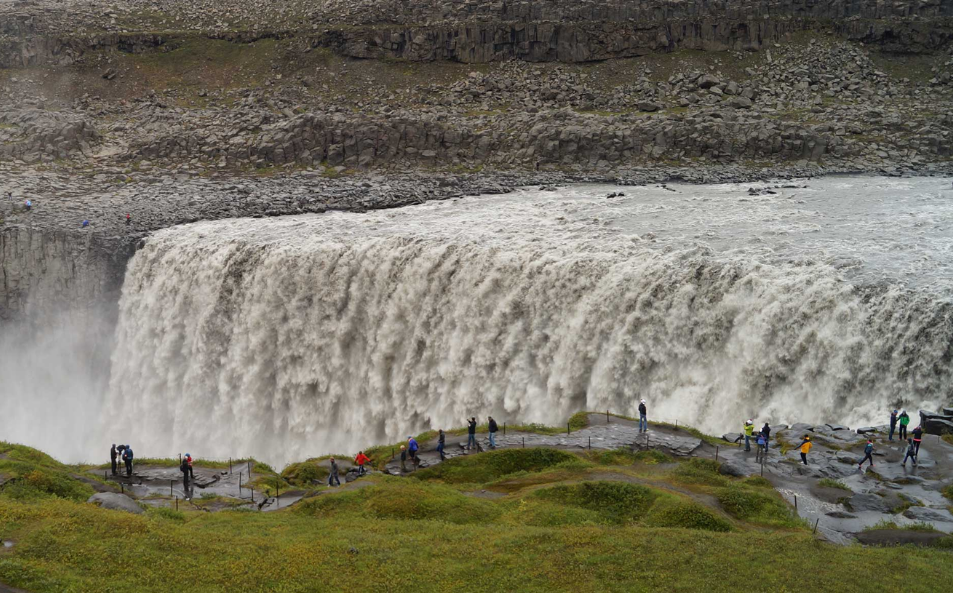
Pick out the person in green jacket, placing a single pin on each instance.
(749, 430)
(904, 421)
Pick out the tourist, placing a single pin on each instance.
(749, 430)
(643, 417)
(360, 460)
(904, 421)
(127, 457)
(868, 451)
(333, 475)
(403, 458)
(805, 448)
(184, 468)
(188, 457)
(893, 424)
(112, 458)
(493, 427)
(917, 437)
(441, 443)
(766, 431)
(762, 448)
(28, 205)
(471, 433)
(128, 219)
(911, 453)
(412, 448)
(85, 223)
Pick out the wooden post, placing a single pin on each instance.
(815, 525)
(567, 428)
(277, 493)
(176, 503)
(795, 502)
(122, 489)
(171, 483)
(504, 429)
(229, 465)
(607, 416)
(716, 452)
(590, 443)
(524, 442)
(239, 484)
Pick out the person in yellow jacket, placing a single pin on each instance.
(749, 430)
(805, 448)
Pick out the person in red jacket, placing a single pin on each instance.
(360, 460)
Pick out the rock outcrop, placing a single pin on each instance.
(116, 502)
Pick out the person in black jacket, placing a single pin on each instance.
(471, 433)
(766, 431)
(493, 428)
(643, 418)
(441, 443)
(112, 457)
(917, 437)
(184, 468)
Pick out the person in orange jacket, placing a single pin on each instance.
(360, 460)
(805, 448)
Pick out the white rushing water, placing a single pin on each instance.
(304, 335)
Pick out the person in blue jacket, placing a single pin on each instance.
(868, 451)
(127, 457)
(412, 448)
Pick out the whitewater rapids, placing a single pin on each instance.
(292, 337)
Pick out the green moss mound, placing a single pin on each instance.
(486, 467)
(757, 507)
(687, 515)
(305, 474)
(28, 474)
(700, 471)
(618, 501)
(405, 500)
(627, 457)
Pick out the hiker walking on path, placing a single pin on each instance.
(893, 424)
(127, 457)
(333, 475)
(412, 448)
(184, 468)
(911, 453)
(904, 421)
(762, 448)
(749, 430)
(917, 437)
(805, 448)
(493, 429)
(868, 451)
(360, 460)
(471, 433)
(441, 443)
(188, 457)
(643, 417)
(403, 458)
(112, 457)
(766, 431)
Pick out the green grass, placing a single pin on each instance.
(700, 472)
(948, 492)
(65, 546)
(832, 483)
(948, 438)
(686, 515)
(627, 457)
(887, 524)
(759, 507)
(619, 501)
(28, 474)
(487, 467)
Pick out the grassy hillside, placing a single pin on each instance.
(519, 519)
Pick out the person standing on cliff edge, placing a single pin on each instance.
(493, 428)
(643, 417)
(904, 421)
(893, 424)
(127, 457)
(471, 433)
(805, 448)
(112, 457)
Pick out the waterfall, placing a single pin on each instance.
(301, 336)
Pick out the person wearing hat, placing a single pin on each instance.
(893, 424)
(904, 421)
(805, 448)
(749, 430)
(643, 422)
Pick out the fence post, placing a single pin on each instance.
(815, 525)
(607, 416)
(277, 493)
(122, 489)
(239, 484)
(524, 442)
(567, 428)
(171, 483)
(229, 465)
(716, 452)
(590, 443)
(795, 502)
(176, 503)
(504, 429)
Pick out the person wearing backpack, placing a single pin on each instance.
(188, 457)
(917, 437)
(184, 468)
(911, 453)
(766, 431)
(762, 448)
(868, 451)
(127, 457)
(412, 448)
(643, 417)
(493, 428)
(471, 433)
(893, 424)
(904, 421)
